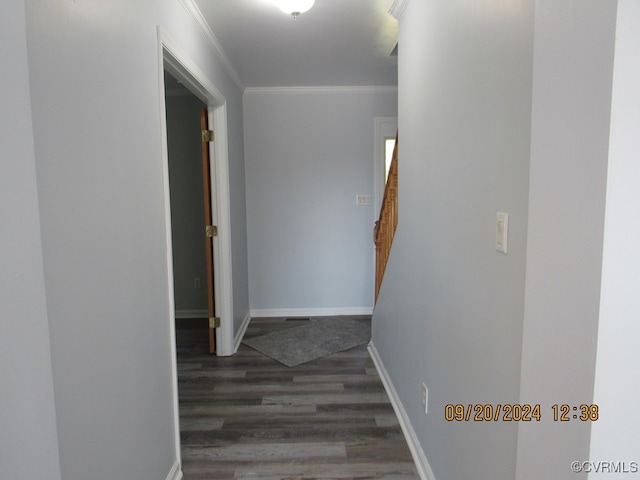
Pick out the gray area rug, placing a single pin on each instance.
(317, 339)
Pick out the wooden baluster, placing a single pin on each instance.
(387, 223)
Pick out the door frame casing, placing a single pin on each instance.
(173, 59)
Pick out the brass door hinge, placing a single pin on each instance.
(214, 322)
(207, 136)
(211, 231)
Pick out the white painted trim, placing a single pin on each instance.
(169, 249)
(420, 459)
(175, 473)
(241, 331)
(190, 75)
(213, 42)
(310, 312)
(397, 9)
(222, 243)
(329, 89)
(191, 314)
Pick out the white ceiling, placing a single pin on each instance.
(336, 43)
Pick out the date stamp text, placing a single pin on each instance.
(514, 412)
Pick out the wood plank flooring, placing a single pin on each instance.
(250, 417)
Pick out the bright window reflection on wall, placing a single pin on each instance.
(389, 143)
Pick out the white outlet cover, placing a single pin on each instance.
(502, 232)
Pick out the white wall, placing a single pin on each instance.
(569, 149)
(616, 435)
(308, 154)
(450, 309)
(28, 436)
(95, 89)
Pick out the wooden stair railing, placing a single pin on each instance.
(385, 227)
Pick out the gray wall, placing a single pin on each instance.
(308, 154)
(28, 435)
(569, 148)
(187, 202)
(508, 107)
(617, 435)
(450, 309)
(95, 91)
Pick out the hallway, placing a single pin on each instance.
(248, 416)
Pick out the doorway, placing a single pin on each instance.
(175, 62)
(190, 187)
(187, 200)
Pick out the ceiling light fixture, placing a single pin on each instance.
(295, 7)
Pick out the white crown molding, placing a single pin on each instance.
(326, 89)
(398, 8)
(213, 42)
(419, 458)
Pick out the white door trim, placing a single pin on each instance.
(172, 59)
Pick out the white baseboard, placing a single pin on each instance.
(175, 473)
(241, 331)
(420, 459)
(192, 314)
(310, 312)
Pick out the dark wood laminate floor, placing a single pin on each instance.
(250, 417)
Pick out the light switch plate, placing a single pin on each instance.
(502, 232)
